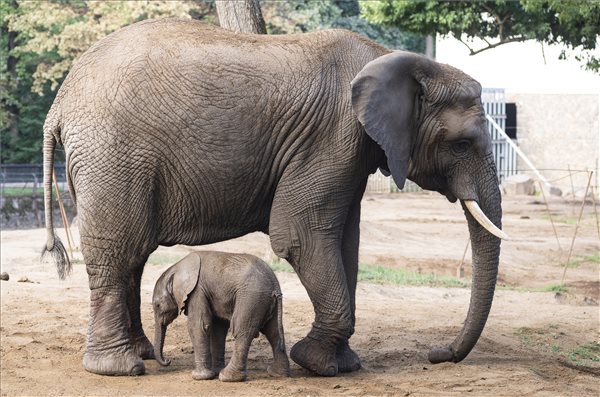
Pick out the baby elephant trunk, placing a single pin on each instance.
(159, 340)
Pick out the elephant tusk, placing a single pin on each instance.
(483, 220)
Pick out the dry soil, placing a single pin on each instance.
(535, 343)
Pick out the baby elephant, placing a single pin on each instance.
(216, 289)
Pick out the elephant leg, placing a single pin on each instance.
(141, 345)
(320, 269)
(109, 350)
(200, 330)
(218, 336)
(347, 359)
(280, 365)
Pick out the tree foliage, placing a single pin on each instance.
(39, 41)
(297, 16)
(574, 23)
(48, 37)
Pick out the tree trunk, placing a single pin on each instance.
(241, 16)
(430, 46)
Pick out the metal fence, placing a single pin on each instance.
(505, 156)
(21, 174)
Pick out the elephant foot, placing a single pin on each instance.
(347, 359)
(229, 374)
(279, 369)
(143, 348)
(203, 374)
(125, 363)
(316, 356)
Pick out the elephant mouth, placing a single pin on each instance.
(478, 214)
(451, 197)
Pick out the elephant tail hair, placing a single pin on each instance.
(53, 245)
(279, 298)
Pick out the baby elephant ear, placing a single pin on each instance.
(185, 279)
(385, 98)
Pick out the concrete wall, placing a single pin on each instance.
(558, 131)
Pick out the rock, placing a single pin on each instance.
(519, 184)
(554, 191)
(24, 279)
(4, 276)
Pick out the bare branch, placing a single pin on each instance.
(466, 45)
(490, 46)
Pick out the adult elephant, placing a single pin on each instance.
(180, 133)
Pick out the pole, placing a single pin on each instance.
(550, 216)
(460, 270)
(516, 148)
(562, 281)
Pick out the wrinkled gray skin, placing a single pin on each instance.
(179, 133)
(216, 289)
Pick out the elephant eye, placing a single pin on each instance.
(461, 146)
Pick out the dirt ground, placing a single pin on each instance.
(534, 344)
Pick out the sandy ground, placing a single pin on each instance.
(535, 343)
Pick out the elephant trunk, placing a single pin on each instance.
(486, 252)
(159, 339)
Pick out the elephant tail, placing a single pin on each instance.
(54, 247)
(279, 298)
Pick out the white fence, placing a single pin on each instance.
(504, 154)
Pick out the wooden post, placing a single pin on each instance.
(460, 270)
(562, 281)
(595, 209)
(550, 216)
(34, 204)
(63, 214)
(572, 188)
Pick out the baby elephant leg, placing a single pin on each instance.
(280, 365)
(199, 327)
(245, 326)
(235, 371)
(218, 336)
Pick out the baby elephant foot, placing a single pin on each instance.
(125, 363)
(228, 374)
(347, 359)
(203, 374)
(278, 370)
(316, 356)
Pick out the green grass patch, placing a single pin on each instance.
(27, 191)
(594, 259)
(384, 275)
(590, 351)
(282, 266)
(163, 259)
(561, 219)
(553, 288)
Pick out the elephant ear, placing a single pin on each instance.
(385, 98)
(185, 279)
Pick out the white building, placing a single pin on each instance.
(557, 104)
